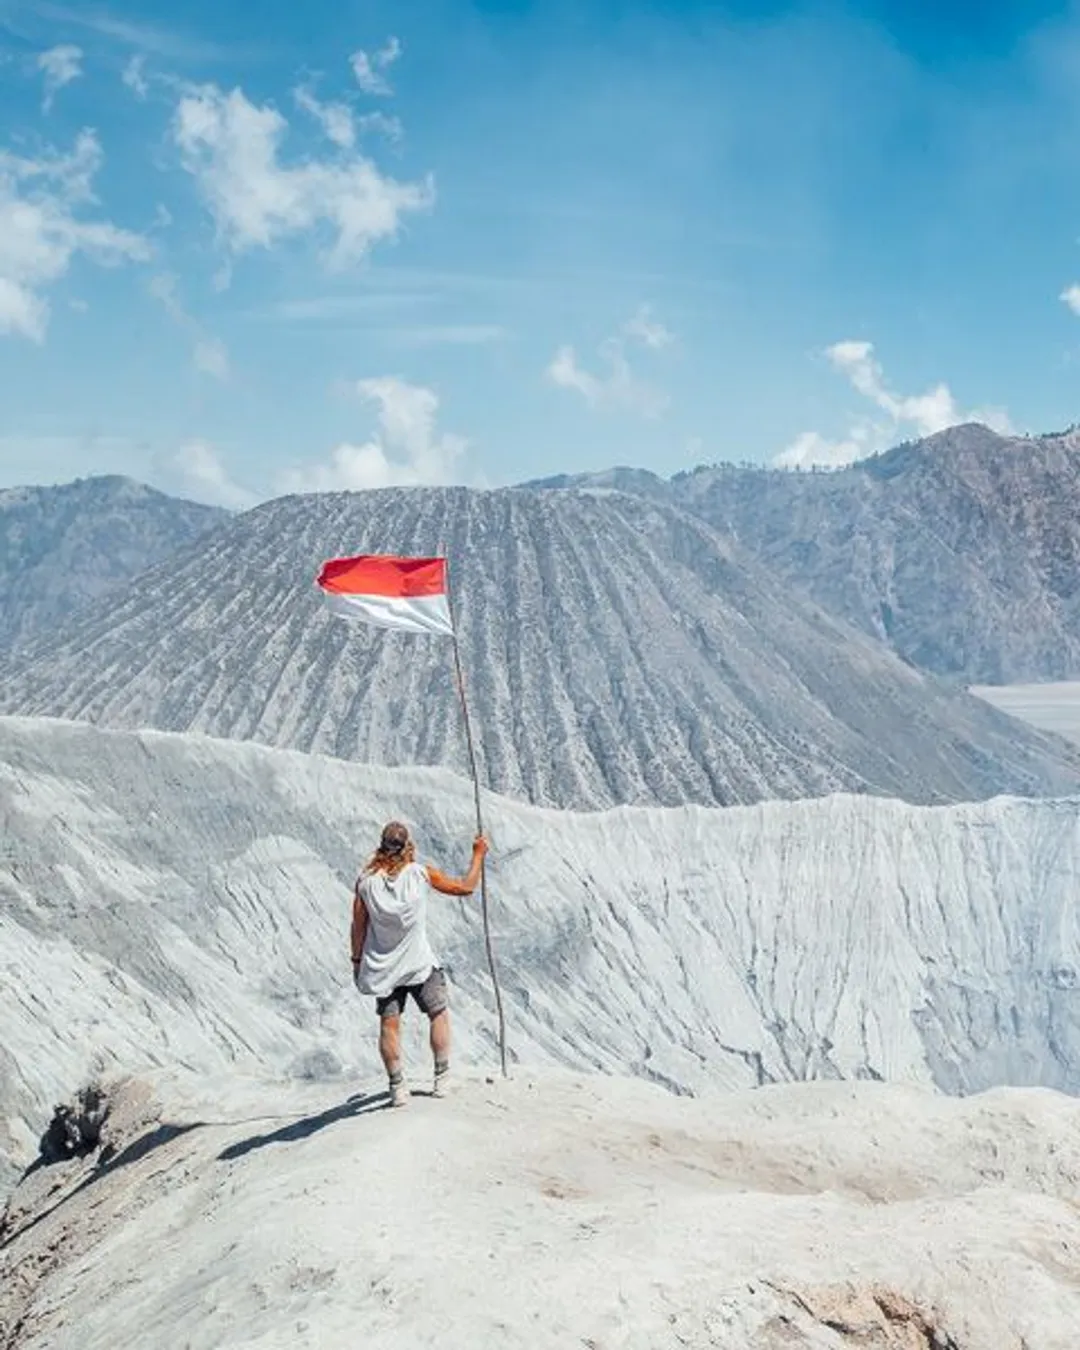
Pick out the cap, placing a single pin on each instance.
(394, 837)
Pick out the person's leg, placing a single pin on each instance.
(440, 1037)
(390, 1043)
(389, 1010)
(434, 1000)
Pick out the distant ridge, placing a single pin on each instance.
(61, 547)
(961, 551)
(618, 650)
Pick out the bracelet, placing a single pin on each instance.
(356, 960)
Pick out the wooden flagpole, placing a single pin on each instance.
(479, 828)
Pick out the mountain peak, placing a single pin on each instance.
(63, 546)
(965, 439)
(594, 630)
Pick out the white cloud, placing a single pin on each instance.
(644, 328)
(163, 289)
(809, 448)
(21, 311)
(336, 119)
(211, 357)
(448, 334)
(209, 354)
(341, 125)
(42, 230)
(370, 71)
(201, 472)
(343, 306)
(232, 148)
(405, 451)
(134, 77)
(60, 66)
(143, 37)
(1071, 297)
(380, 122)
(567, 374)
(619, 387)
(905, 414)
(930, 412)
(997, 419)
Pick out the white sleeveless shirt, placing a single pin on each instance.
(396, 948)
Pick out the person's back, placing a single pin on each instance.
(397, 951)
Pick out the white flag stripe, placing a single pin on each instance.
(409, 614)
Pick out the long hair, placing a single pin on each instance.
(395, 852)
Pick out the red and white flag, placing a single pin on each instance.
(409, 594)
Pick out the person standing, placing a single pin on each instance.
(392, 958)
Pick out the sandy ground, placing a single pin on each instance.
(553, 1210)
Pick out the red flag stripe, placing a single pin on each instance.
(381, 574)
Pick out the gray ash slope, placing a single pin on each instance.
(617, 651)
(182, 902)
(961, 551)
(61, 547)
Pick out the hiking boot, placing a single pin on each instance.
(399, 1093)
(441, 1087)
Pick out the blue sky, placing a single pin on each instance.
(348, 245)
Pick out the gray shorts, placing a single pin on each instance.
(432, 997)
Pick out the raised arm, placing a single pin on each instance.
(466, 884)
